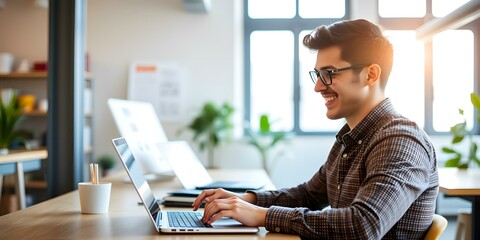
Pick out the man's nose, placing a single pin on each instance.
(320, 86)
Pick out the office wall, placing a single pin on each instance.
(120, 32)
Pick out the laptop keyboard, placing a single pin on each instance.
(186, 219)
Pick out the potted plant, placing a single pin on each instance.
(11, 116)
(264, 140)
(460, 134)
(212, 125)
(106, 163)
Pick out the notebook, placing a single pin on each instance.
(192, 174)
(170, 221)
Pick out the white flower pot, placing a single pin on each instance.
(3, 151)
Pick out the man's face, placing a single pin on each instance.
(347, 94)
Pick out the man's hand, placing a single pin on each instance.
(221, 203)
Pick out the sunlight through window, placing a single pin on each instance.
(271, 77)
(440, 8)
(401, 8)
(406, 85)
(321, 8)
(271, 8)
(453, 70)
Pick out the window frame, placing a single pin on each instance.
(295, 25)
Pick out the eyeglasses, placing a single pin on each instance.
(326, 74)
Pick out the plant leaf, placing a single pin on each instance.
(457, 139)
(463, 166)
(453, 162)
(448, 150)
(475, 99)
(264, 124)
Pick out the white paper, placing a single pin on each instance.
(159, 84)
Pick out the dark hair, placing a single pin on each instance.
(360, 41)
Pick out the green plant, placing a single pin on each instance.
(212, 125)
(459, 134)
(11, 116)
(106, 161)
(265, 139)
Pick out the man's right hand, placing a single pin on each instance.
(211, 194)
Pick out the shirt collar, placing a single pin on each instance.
(367, 125)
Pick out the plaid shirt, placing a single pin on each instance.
(380, 180)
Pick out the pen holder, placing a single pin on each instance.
(94, 198)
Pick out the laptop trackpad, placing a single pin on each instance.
(227, 222)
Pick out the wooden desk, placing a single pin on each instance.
(60, 218)
(465, 184)
(17, 157)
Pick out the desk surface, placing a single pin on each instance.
(23, 155)
(459, 182)
(60, 217)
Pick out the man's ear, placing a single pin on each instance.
(373, 74)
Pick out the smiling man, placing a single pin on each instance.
(380, 179)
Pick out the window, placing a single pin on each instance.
(426, 73)
(401, 8)
(423, 77)
(277, 63)
(452, 73)
(406, 86)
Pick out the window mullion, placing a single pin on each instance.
(429, 96)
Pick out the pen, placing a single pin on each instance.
(97, 177)
(92, 173)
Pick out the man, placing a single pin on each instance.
(380, 178)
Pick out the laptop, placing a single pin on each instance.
(138, 122)
(171, 221)
(192, 174)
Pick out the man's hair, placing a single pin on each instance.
(360, 41)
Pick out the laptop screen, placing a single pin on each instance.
(138, 122)
(135, 172)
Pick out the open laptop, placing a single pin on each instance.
(192, 174)
(138, 122)
(171, 221)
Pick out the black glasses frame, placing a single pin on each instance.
(314, 75)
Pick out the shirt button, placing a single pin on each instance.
(338, 187)
(344, 155)
(277, 229)
(359, 141)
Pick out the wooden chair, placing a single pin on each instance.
(439, 223)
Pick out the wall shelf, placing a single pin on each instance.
(24, 75)
(35, 74)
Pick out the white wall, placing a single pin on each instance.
(24, 30)
(119, 32)
(207, 46)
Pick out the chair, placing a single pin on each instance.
(464, 226)
(439, 223)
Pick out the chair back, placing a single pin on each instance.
(439, 223)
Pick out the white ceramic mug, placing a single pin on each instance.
(94, 198)
(6, 62)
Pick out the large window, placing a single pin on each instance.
(277, 64)
(430, 80)
(433, 78)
